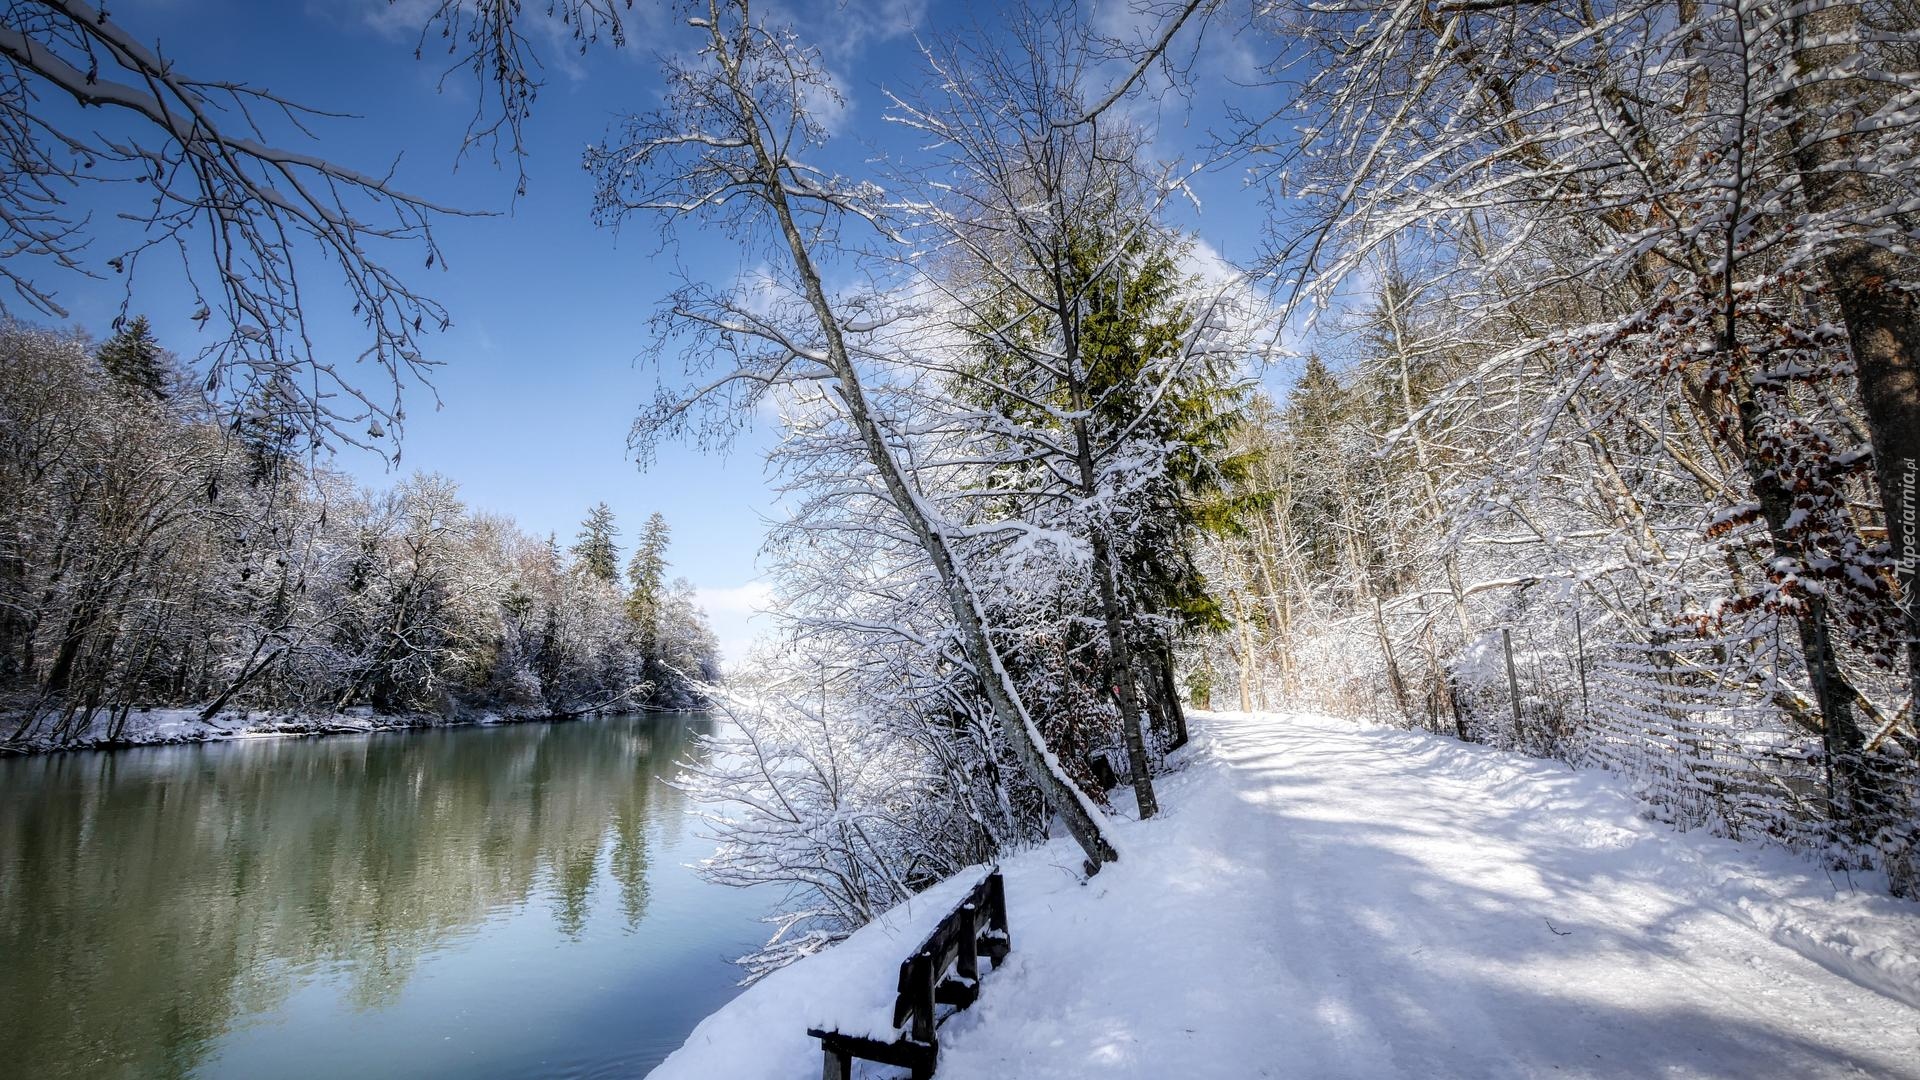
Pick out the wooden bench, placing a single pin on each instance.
(944, 970)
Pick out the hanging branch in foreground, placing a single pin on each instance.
(189, 165)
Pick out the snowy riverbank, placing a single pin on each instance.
(1321, 898)
(170, 726)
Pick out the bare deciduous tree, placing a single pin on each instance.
(192, 163)
(729, 148)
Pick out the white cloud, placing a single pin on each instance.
(831, 109)
(1204, 261)
(741, 599)
(423, 21)
(845, 30)
(758, 288)
(845, 33)
(397, 19)
(737, 615)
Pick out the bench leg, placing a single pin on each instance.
(837, 1066)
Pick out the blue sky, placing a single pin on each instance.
(544, 363)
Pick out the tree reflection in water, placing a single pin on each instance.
(150, 900)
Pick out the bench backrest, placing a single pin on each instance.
(954, 944)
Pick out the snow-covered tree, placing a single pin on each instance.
(596, 552)
(135, 359)
(1624, 338)
(152, 556)
(727, 149)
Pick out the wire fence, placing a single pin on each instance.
(1696, 729)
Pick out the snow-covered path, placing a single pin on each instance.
(1325, 899)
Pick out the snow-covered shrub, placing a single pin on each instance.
(849, 808)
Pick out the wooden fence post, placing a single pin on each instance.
(997, 919)
(923, 1016)
(1513, 684)
(967, 964)
(1580, 654)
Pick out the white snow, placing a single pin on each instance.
(163, 726)
(849, 988)
(1324, 899)
(871, 959)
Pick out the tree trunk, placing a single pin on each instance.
(1171, 690)
(1262, 547)
(1246, 652)
(1397, 326)
(246, 676)
(1119, 653)
(1882, 319)
(1147, 678)
(85, 613)
(1394, 680)
(1513, 686)
(1841, 737)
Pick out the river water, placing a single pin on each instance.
(482, 902)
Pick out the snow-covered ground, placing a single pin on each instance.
(1324, 899)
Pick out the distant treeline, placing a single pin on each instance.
(155, 554)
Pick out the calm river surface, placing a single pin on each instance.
(466, 902)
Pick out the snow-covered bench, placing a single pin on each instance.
(943, 970)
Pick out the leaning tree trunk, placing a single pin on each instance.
(1865, 279)
(1083, 819)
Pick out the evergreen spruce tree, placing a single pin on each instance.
(134, 359)
(1128, 326)
(1318, 414)
(595, 552)
(266, 429)
(647, 575)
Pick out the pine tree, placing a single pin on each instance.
(266, 428)
(595, 552)
(1141, 388)
(1109, 374)
(134, 359)
(647, 574)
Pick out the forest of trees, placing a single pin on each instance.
(1605, 329)
(1000, 461)
(1603, 442)
(1601, 465)
(152, 555)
